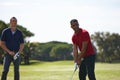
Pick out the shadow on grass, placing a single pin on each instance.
(32, 62)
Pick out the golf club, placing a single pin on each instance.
(76, 67)
(16, 56)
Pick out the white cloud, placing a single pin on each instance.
(9, 4)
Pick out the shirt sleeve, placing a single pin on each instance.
(21, 38)
(74, 41)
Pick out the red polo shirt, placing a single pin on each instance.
(80, 37)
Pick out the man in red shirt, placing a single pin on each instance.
(86, 59)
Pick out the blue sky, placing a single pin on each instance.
(49, 19)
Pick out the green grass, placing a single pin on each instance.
(62, 70)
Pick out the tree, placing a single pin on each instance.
(61, 52)
(51, 51)
(108, 45)
(2, 26)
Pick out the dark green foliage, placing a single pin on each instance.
(53, 50)
(108, 46)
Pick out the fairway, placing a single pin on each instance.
(62, 70)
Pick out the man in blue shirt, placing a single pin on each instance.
(11, 42)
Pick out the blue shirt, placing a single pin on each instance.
(12, 39)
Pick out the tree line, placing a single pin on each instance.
(107, 46)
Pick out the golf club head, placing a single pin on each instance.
(16, 56)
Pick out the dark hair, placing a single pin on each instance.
(73, 20)
(13, 18)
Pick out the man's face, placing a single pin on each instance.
(75, 26)
(13, 23)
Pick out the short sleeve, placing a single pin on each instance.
(21, 38)
(74, 41)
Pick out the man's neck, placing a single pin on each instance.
(77, 31)
(13, 29)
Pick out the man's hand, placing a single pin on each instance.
(11, 53)
(76, 65)
(79, 61)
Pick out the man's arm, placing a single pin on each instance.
(3, 46)
(21, 47)
(75, 52)
(83, 50)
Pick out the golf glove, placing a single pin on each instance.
(76, 65)
(16, 56)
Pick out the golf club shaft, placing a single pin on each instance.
(73, 73)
